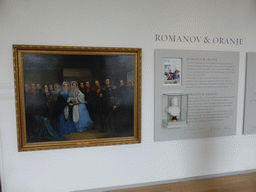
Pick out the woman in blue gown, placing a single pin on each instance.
(80, 115)
(66, 125)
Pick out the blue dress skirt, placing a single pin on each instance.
(84, 122)
(66, 126)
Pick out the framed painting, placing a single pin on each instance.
(69, 96)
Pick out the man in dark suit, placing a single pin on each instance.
(98, 107)
(110, 104)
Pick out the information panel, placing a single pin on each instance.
(208, 80)
(250, 95)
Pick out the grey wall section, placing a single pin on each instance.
(210, 78)
(250, 95)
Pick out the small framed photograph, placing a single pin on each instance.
(172, 71)
(68, 96)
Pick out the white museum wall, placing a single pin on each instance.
(122, 23)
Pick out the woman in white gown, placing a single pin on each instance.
(81, 116)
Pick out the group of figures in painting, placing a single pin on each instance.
(56, 110)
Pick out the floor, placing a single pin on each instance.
(235, 183)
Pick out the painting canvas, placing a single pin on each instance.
(76, 96)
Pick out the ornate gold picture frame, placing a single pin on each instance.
(69, 96)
